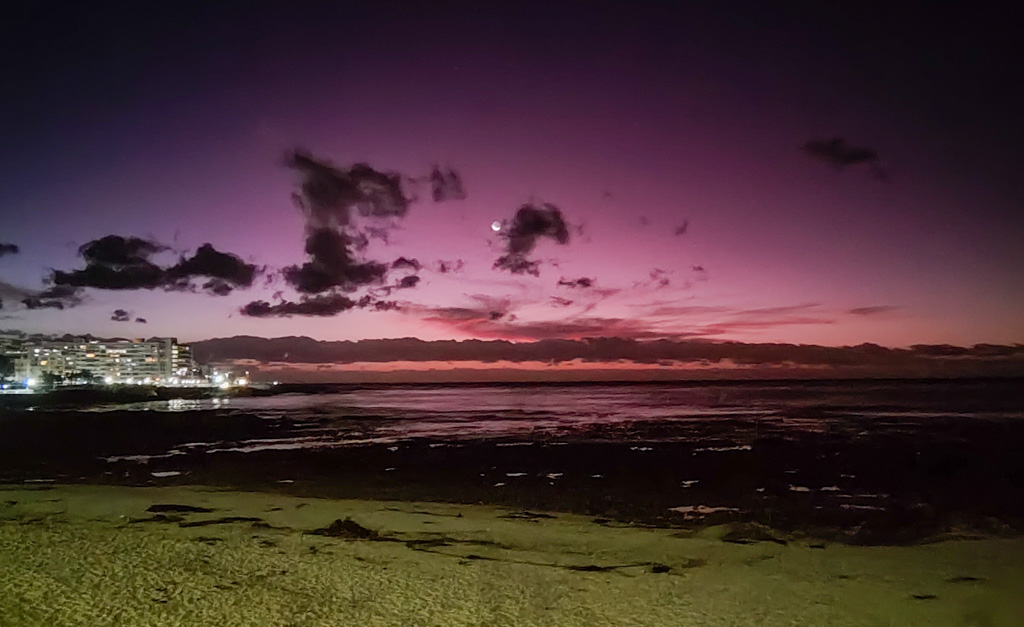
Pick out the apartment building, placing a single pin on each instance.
(159, 360)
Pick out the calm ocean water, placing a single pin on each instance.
(715, 415)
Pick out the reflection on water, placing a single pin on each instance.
(719, 417)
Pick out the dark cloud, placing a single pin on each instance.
(407, 282)
(870, 311)
(530, 223)
(114, 262)
(120, 315)
(698, 268)
(446, 185)
(444, 267)
(456, 314)
(940, 350)
(322, 305)
(836, 151)
(115, 250)
(330, 195)
(317, 305)
(217, 287)
(682, 228)
(225, 271)
(517, 264)
(560, 302)
(54, 297)
(8, 249)
(332, 265)
(141, 320)
(11, 292)
(405, 262)
(383, 305)
(344, 208)
(141, 276)
(580, 283)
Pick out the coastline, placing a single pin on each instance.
(878, 480)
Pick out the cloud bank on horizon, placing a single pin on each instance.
(301, 358)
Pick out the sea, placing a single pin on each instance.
(873, 461)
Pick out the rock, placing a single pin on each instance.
(965, 579)
(427, 543)
(525, 515)
(592, 568)
(208, 539)
(348, 529)
(749, 533)
(219, 521)
(161, 518)
(178, 509)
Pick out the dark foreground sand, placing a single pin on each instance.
(90, 555)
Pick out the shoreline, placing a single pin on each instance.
(856, 501)
(891, 529)
(896, 466)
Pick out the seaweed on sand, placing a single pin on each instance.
(348, 529)
(165, 508)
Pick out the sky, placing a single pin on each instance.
(800, 173)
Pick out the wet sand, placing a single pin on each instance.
(108, 555)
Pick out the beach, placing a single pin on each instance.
(844, 503)
(94, 555)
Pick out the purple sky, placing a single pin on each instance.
(174, 128)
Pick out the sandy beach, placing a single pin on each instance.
(92, 555)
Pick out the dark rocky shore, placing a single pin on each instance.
(86, 396)
(962, 477)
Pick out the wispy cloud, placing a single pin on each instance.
(872, 310)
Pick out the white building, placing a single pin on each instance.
(159, 360)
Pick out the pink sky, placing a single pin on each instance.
(628, 141)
